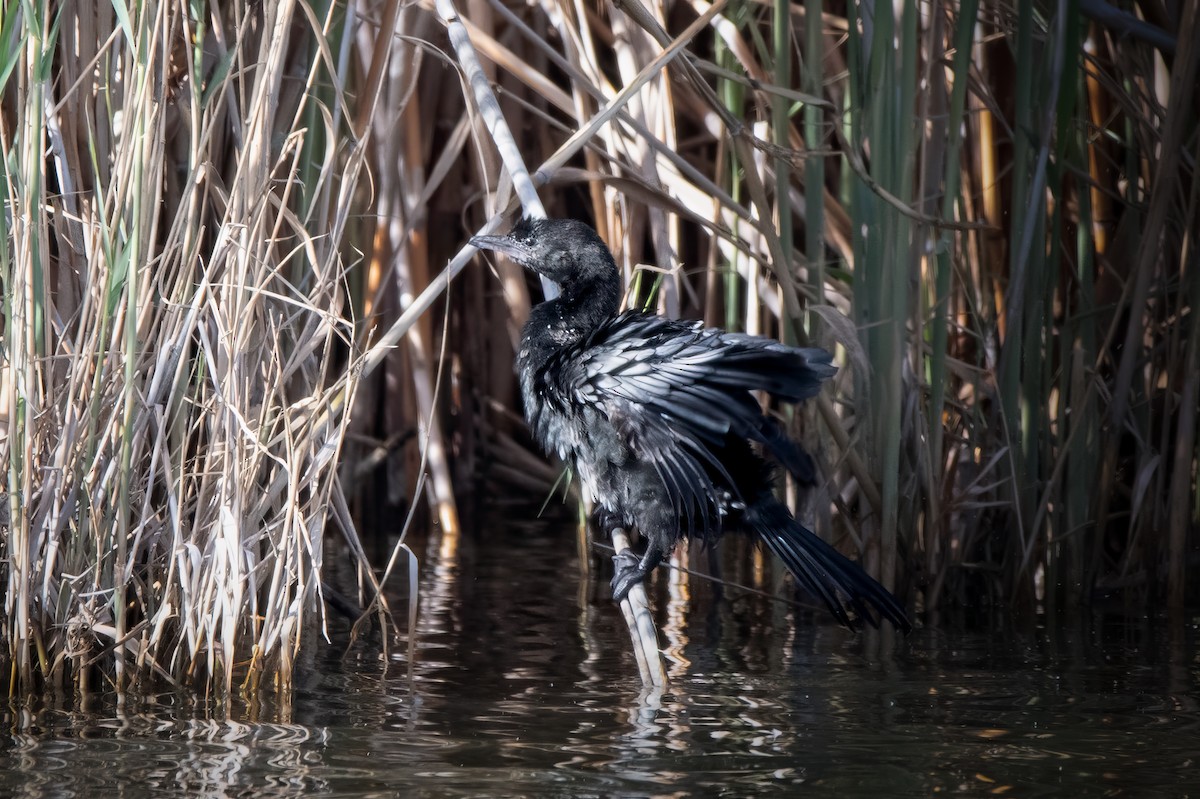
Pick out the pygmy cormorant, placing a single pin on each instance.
(656, 416)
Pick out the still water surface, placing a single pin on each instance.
(524, 688)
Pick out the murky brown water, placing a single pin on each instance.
(525, 689)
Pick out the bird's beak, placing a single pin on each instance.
(505, 246)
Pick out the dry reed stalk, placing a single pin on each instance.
(178, 307)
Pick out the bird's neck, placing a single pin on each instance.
(576, 313)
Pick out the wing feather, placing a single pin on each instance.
(675, 392)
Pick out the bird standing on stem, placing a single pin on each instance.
(656, 416)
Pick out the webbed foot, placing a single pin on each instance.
(631, 570)
(629, 573)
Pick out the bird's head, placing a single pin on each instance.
(565, 251)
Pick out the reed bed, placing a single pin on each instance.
(178, 187)
(228, 324)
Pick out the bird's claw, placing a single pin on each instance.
(625, 560)
(629, 573)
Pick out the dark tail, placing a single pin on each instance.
(823, 570)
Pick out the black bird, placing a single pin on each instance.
(656, 417)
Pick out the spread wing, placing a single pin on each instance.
(676, 392)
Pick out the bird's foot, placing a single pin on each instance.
(629, 573)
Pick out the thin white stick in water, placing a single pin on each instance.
(636, 610)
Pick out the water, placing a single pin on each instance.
(524, 687)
